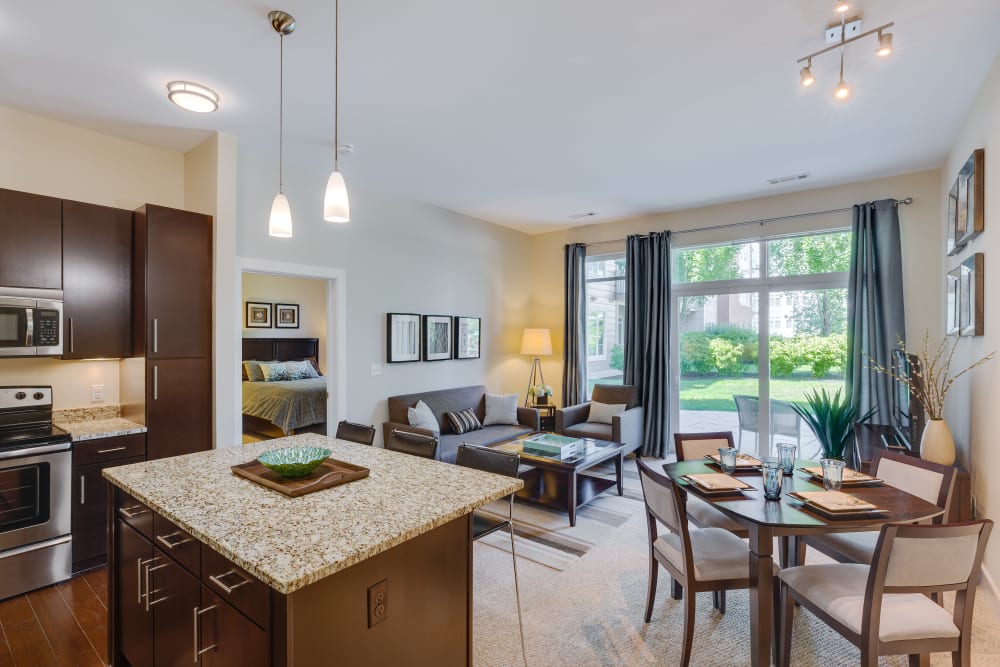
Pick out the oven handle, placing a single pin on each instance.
(32, 451)
(35, 547)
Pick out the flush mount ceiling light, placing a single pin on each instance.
(336, 207)
(193, 96)
(280, 223)
(838, 34)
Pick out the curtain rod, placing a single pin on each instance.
(896, 202)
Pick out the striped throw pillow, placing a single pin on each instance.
(463, 421)
(500, 409)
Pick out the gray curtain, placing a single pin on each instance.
(647, 334)
(875, 316)
(574, 386)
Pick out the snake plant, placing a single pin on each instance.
(832, 419)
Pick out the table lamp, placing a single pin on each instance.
(535, 342)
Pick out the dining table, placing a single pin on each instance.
(790, 519)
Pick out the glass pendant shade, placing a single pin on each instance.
(281, 218)
(336, 207)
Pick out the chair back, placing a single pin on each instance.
(615, 394)
(692, 446)
(926, 480)
(785, 420)
(665, 503)
(361, 433)
(489, 460)
(947, 557)
(748, 409)
(413, 443)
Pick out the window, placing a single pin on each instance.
(605, 276)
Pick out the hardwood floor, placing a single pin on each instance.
(65, 624)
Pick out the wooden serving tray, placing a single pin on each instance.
(330, 473)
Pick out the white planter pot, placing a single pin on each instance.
(937, 443)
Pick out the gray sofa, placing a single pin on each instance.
(451, 400)
(626, 428)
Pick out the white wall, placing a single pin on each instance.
(920, 240)
(60, 160)
(971, 408)
(308, 293)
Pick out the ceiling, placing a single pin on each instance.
(522, 113)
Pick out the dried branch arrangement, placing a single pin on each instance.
(932, 375)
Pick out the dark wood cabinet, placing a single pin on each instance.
(234, 639)
(97, 281)
(174, 594)
(31, 250)
(134, 617)
(178, 407)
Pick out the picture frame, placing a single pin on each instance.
(437, 337)
(286, 316)
(953, 235)
(403, 336)
(258, 315)
(971, 297)
(952, 303)
(971, 218)
(468, 335)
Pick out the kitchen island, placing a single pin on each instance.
(208, 567)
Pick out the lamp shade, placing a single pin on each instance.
(281, 218)
(335, 205)
(536, 342)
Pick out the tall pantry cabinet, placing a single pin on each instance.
(172, 327)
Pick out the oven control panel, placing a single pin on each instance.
(24, 397)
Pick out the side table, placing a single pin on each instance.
(548, 415)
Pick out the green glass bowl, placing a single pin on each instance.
(294, 461)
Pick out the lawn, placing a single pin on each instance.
(716, 393)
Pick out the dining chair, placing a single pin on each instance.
(361, 433)
(928, 481)
(500, 463)
(417, 444)
(883, 609)
(691, 447)
(700, 559)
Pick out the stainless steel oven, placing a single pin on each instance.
(30, 322)
(35, 483)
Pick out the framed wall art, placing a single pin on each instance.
(286, 316)
(971, 190)
(952, 326)
(258, 315)
(952, 222)
(970, 317)
(467, 337)
(437, 337)
(402, 337)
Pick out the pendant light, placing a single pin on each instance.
(336, 207)
(280, 224)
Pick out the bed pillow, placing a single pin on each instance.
(500, 409)
(421, 416)
(315, 365)
(252, 372)
(274, 371)
(463, 421)
(601, 413)
(300, 370)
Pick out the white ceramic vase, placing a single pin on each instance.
(937, 443)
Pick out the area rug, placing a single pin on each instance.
(545, 537)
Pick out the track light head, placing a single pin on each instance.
(807, 77)
(884, 44)
(842, 91)
(841, 6)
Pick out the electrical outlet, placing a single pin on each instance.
(378, 603)
(97, 393)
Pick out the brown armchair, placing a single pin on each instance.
(626, 427)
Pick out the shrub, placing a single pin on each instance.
(725, 355)
(696, 356)
(617, 360)
(824, 353)
(785, 356)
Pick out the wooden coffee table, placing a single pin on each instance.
(562, 484)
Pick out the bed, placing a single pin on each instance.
(283, 408)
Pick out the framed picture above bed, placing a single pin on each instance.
(286, 316)
(402, 337)
(437, 337)
(467, 337)
(258, 315)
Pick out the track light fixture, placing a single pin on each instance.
(843, 91)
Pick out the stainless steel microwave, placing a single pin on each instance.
(30, 322)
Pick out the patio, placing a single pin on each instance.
(693, 421)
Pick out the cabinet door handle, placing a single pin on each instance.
(156, 335)
(141, 563)
(71, 342)
(132, 512)
(197, 635)
(83, 489)
(113, 449)
(149, 593)
(156, 383)
(165, 539)
(217, 580)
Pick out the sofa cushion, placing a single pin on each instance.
(601, 413)
(611, 393)
(421, 416)
(463, 421)
(589, 430)
(500, 409)
(489, 435)
(440, 402)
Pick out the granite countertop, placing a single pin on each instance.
(289, 543)
(92, 429)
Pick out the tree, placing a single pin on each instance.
(697, 265)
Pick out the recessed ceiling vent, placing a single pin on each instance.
(581, 216)
(787, 179)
